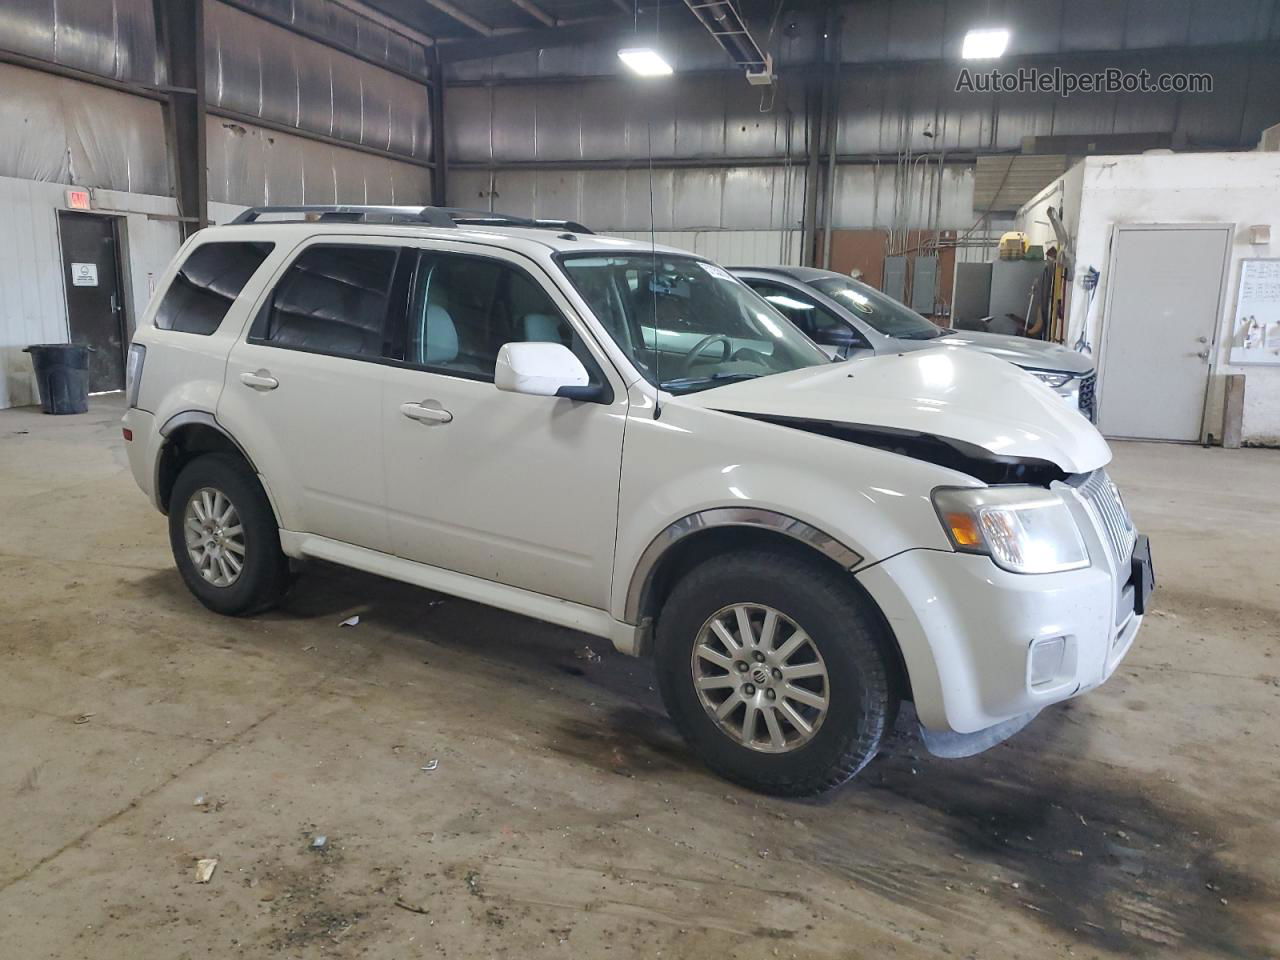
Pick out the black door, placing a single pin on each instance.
(95, 304)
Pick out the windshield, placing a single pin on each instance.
(685, 323)
(887, 315)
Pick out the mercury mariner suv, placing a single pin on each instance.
(627, 441)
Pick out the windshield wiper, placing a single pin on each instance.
(923, 335)
(685, 383)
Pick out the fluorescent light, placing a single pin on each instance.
(984, 44)
(645, 61)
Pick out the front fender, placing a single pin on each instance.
(859, 502)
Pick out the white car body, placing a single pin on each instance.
(562, 510)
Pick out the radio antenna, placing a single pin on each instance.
(653, 240)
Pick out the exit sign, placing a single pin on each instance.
(79, 200)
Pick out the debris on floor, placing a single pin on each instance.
(351, 621)
(431, 765)
(205, 868)
(319, 842)
(412, 908)
(83, 718)
(587, 654)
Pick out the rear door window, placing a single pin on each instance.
(333, 299)
(206, 285)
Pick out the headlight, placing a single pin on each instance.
(1023, 529)
(1054, 380)
(133, 372)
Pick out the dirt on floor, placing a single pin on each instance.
(446, 780)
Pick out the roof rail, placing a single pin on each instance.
(430, 216)
(489, 218)
(350, 213)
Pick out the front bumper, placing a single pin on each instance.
(967, 629)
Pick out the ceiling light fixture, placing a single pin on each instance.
(984, 44)
(645, 61)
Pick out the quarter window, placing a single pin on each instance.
(206, 285)
(333, 299)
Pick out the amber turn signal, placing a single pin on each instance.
(964, 530)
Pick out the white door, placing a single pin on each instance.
(517, 489)
(303, 391)
(1164, 301)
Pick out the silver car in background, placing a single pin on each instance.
(849, 318)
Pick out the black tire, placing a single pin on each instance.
(849, 636)
(264, 575)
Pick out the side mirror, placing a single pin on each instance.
(840, 336)
(543, 370)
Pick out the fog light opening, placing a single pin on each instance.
(1047, 658)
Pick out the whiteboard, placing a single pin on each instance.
(1257, 300)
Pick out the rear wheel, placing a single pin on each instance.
(775, 671)
(224, 536)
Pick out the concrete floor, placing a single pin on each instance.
(564, 817)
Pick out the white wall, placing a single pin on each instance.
(33, 306)
(1235, 188)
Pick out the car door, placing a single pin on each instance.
(518, 489)
(821, 325)
(303, 391)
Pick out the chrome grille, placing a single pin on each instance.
(1088, 387)
(1104, 502)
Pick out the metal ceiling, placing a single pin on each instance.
(447, 20)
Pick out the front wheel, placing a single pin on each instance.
(775, 671)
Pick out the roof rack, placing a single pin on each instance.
(348, 213)
(430, 216)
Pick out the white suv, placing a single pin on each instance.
(627, 441)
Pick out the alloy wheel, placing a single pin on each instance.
(760, 677)
(214, 536)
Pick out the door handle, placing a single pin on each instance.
(423, 414)
(1202, 339)
(1203, 354)
(261, 380)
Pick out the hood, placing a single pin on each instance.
(946, 394)
(1020, 350)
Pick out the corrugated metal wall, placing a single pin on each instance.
(724, 198)
(262, 70)
(110, 38)
(71, 132)
(750, 198)
(252, 167)
(58, 129)
(717, 116)
(348, 29)
(735, 248)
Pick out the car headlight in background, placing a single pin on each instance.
(1054, 380)
(1024, 529)
(133, 372)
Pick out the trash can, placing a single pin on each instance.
(62, 376)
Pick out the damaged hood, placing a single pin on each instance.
(1025, 352)
(956, 395)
